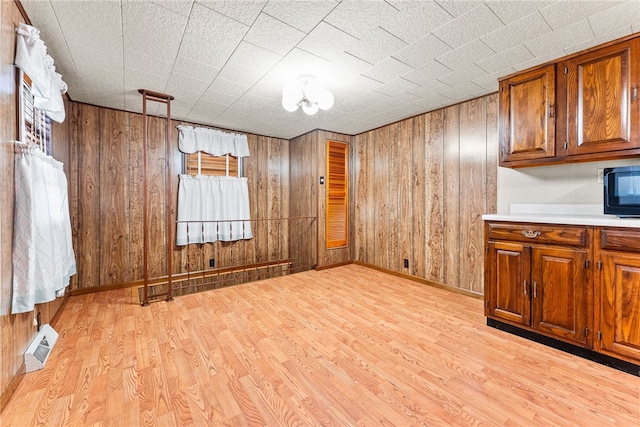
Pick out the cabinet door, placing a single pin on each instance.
(560, 292)
(603, 114)
(620, 304)
(527, 126)
(507, 292)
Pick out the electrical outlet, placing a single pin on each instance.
(600, 176)
(212, 262)
(406, 263)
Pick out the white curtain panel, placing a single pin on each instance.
(43, 257)
(47, 86)
(215, 142)
(223, 202)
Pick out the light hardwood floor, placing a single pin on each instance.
(340, 347)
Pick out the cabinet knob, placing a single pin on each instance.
(530, 233)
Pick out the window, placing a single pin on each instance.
(35, 126)
(337, 203)
(206, 164)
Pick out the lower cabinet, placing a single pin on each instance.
(541, 286)
(619, 292)
(576, 284)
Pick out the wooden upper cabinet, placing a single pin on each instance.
(527, 126)
(603, 110)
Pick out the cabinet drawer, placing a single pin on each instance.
(538, 233)
(620, 239)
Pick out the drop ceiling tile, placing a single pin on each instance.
(528, 28)
(211, 37)
(356, 17)
(359, 84)
(490, 81)
(246, 76)
(462, 75)
(327, 41)
(148, 64)
(464, 29)
(430, 88)
(180, 83)
(296, 63)
(422, 51)
(375, 44)
(560, 39)
(245, 11)
(432, 102)
(551, 55)
(616, 34)
(563, 13)
(415, 19)
(428, 72)
(505, 59)
(464, 92)
(396, 87)
(195, 69)
(387, 70)
(136, 79)
(457, 8)
(273, 35)
(611, 20)
(346, 66)
(221, 85)
(254, 57)
(471, 52)
(510, 11)
(219, 98)
(205, 112)
(182, 7)
(90, 23)
(159, 36)
(303, 14)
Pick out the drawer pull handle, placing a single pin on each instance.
(530, 233)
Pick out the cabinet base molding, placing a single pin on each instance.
(600, 358)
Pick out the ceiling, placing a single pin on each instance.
(226, 61)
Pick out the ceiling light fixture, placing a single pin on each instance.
(308, 94)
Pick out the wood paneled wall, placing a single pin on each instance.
(420, 187)
(107, 157)
(16, 331)
(308, 197)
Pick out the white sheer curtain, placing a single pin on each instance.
(212, 208)
(222, 201)
(43, 257)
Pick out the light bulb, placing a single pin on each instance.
(288, 105)
(292, 94)
(312, 91)
(310, 107)
(326, 100)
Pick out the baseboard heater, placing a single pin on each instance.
(40, 348)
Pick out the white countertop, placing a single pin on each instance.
(563, 214)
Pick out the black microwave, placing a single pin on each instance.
(622, 191)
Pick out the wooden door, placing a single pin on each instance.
(620, 304)
(527, 123)
(507, 289)
(560, 292)
(602, 99)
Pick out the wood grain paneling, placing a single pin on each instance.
(473, 192)
(420, 188)
(452, 193)
(16, 331)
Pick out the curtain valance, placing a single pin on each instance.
(47, 86)
(214, 142)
